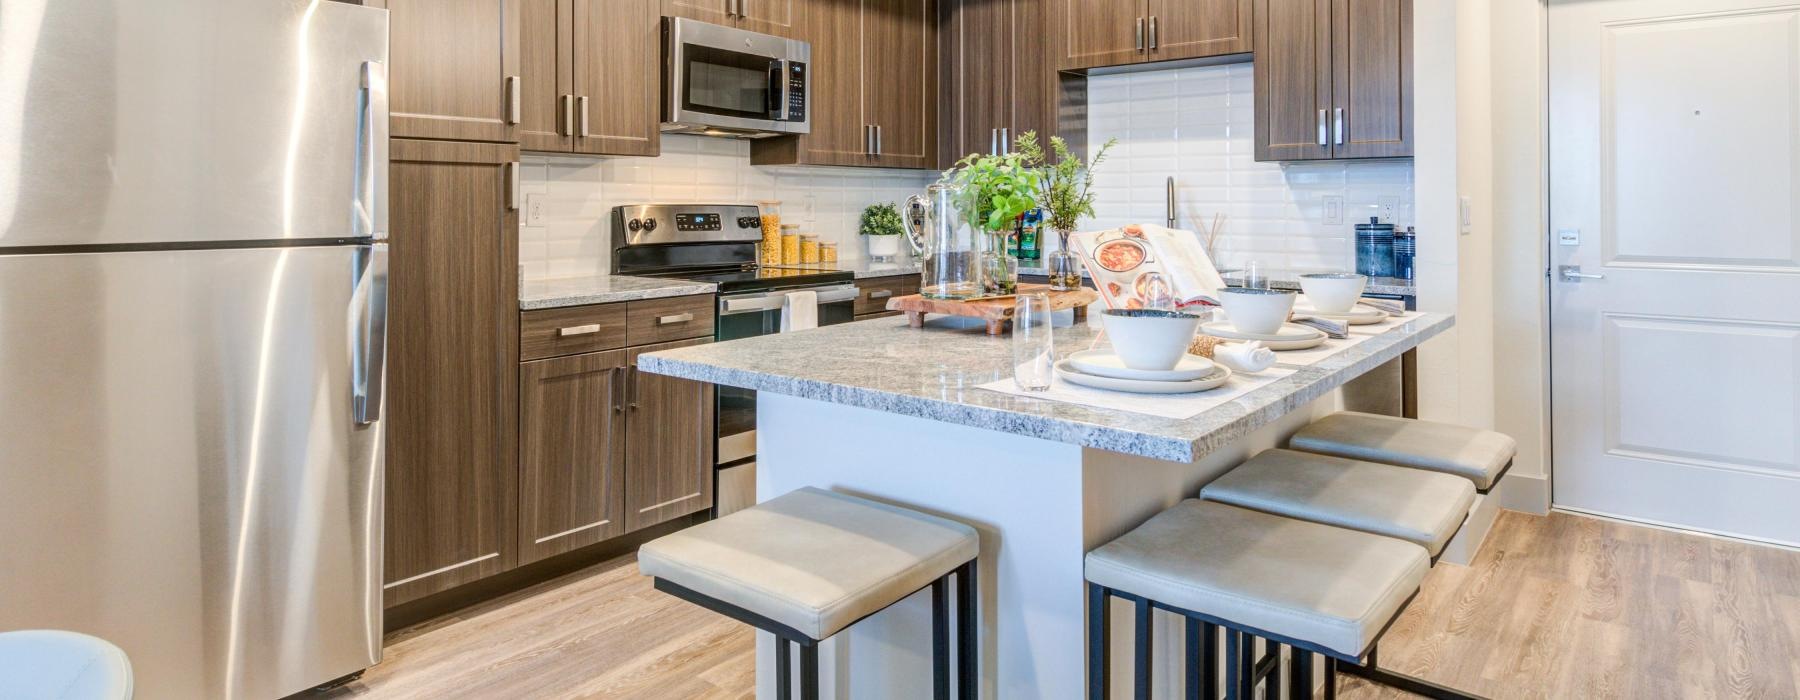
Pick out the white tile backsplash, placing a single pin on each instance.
(578, 194)
(1195, 124)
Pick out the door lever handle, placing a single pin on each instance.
(1573, 273)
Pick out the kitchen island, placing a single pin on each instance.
(881, 410)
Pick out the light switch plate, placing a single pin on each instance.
(534, 209)
(1568, 236)
(1465, 216)
(1334, 209)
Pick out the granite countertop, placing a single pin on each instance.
(865, 269)
(1394, 286)
(601, 289)
(933, 373)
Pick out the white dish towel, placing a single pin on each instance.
(799, 311)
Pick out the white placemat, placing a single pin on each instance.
(1176, 406)
(1333, 346)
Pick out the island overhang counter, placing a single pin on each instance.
(886, 411)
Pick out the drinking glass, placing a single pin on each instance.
(1033, 352)
(1256, 274)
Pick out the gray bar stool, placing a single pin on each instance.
(1421, 507)
(1316, 588)
(809, 563)
(1481, 456)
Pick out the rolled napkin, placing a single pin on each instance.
(1332, 329)
(1244, 357)
(1204, 345)
(1389, 305)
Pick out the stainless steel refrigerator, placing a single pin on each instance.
(192, 304)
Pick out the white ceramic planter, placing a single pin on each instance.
(883, 248)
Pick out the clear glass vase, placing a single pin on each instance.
(999, 269)
(1062, 267)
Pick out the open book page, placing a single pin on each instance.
(1145, 266)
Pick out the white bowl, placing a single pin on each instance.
(1150, 339)
(1257, 311)
(1333, 292)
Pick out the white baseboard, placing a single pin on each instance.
(1526, 493)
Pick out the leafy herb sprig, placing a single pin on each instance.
(1067, 186)
(994, 189)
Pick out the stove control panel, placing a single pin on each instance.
(684, 224)
(697, 222)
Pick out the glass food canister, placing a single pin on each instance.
(790, 245)
(769, 212)
(809, 249)
(828, 252)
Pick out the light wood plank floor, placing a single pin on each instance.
(1555, 607)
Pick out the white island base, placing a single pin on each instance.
(1039, 505)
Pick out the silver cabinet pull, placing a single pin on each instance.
(676, 318)
(877, 139)
(1138, 43)
(880, 293)
(1322, 140)
(588, 329)
(1339, 128)
(618, 388)
(568, 115)
(512, 99)
(730, 8)
(1005, 140)
(631, 385)
(1153, 32)
(581, 106)
(993, 142)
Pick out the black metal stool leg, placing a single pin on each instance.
(1330, 679)
(1300, 683)
(940, 639)
(1272, 690)
(809, 672)
(1202, 647)
(1099, 641)
(967, 652)
(1140, 663)
(784, 671)
(1234, 670)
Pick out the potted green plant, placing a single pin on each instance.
(992, 191)
(1066, 193)
(881, 222)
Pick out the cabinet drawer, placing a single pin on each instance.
(872, 295)
(572, 330)
(673, 318)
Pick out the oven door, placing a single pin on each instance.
(723, 79)
(750, 315)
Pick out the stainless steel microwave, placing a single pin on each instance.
(723, 81)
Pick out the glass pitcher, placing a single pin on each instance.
(948, 251)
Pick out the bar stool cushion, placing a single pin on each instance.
(1471, 453)
(811, 559)
(1421, 507)
(1327, 586)
(62, 665)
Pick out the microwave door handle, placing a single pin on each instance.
(783, 91)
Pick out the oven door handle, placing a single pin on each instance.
(774, 300)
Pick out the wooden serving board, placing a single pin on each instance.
(996, 311)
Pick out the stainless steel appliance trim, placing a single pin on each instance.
(674, 318)
(374, 191)
(434, 572)
(586, 329)
(369, 337)
(679, 32)
(666, 231)
(581, 106)
(787, 89)
(770, 301)
(514, 101)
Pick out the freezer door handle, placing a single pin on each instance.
(372, 173)
(369, 336)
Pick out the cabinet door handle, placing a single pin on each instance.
(512, 186)
(618, 388)
(677, 318)
(993, 142)
(512, 99)
(588, 329)
(581, 106)
(1005, 140)
(631, 371)
(877, 139)
(869, 139)
(1339, 128)
(1322, 141)
(1138, 43)
(1152, 32)
(880, 293)
(568, 115)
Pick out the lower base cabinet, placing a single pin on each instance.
(571, 486)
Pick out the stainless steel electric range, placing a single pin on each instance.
(717, 243)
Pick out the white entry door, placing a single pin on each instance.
(1675, 181)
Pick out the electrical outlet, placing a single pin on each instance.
(809, 208)
(534, 209)
(1389, 207)
(1334, 209)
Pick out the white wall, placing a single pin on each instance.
(1195, 124)
(577, 195)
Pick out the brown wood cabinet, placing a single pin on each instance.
(873, 293)
(995, 80)
(452, 345)
(874, 86)
(775, 17)
(591, 76)
(571, 453)
(669, 443)
(454, 69)
(1103, 33)
(1333, 79)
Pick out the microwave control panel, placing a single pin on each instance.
(796, 78)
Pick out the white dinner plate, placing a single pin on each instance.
(1290, 337)
(1358, 315)
(1105, 363)
(1067, 371)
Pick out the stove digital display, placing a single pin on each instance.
(697, 222)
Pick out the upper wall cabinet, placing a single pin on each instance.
(455, 72)
(874, 86)
(995, 80)
(1101, 33)
(777, 17)
(1333, 79)
(591, 77)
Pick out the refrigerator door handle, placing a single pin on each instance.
(373, 194)
(369, 337)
